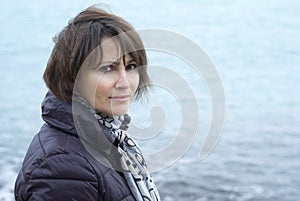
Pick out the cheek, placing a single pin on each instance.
(105, 87)
(91, 86)
(87, 87)
(134, 78)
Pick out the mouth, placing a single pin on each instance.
(120, 98)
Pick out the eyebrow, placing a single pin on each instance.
(110, 62)
(130, 60)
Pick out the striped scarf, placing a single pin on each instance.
(132, 161)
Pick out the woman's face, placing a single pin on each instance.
(111, 86)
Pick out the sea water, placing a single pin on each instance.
(255, 47)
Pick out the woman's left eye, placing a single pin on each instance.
(131, 66)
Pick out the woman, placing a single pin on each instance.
(82, 152)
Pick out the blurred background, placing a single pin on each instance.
(255, 46)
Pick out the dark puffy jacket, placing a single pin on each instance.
(57, 166)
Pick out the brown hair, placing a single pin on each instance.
(79, 38)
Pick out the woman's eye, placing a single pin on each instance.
(105, 68)
(131, 66)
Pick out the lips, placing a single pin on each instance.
(120, 97)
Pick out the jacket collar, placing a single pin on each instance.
(75, 119)
(58, 113)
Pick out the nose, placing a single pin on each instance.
(122, 81)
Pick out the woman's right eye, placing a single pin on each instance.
(105, 68)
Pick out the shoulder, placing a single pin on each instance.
(55, 152)
(57, 167)
(59, 177)
(54, 167)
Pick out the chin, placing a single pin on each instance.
(118, 111)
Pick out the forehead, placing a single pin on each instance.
(111, 49)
